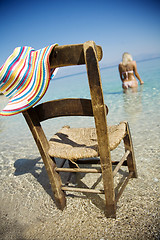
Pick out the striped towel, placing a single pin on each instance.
(24, 78)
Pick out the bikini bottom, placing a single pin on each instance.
(129, 84)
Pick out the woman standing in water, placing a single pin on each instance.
(128, 71)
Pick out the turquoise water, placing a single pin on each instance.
(140, 108)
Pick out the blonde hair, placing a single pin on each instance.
(126, 58)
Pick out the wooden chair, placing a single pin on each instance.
(79, 145)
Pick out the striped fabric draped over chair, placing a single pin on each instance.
(24, 78)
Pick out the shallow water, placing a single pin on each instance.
(140, 108)
(27, 207)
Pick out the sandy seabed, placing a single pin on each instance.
(28, 210)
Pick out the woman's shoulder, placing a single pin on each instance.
(133, 63)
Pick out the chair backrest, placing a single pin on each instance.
(89, 54)
(69, 55)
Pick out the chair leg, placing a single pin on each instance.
(129, 146)
(42, 144)
(110, 210)
(55, 181)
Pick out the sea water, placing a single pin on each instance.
(141, 108)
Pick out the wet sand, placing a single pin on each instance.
(28, 210)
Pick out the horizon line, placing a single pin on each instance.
(104, 67)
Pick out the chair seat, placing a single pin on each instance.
(79, 143)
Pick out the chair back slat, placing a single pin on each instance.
(65, 107)
(68, 55)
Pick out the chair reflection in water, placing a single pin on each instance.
(82, 145)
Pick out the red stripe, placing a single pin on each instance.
(2, 66)
(27, 105)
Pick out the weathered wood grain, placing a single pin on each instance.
(68, 55)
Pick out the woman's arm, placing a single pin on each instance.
(136, 73)
(120, 72)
